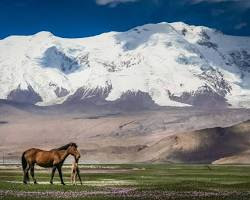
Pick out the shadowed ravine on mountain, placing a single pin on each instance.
(105, 135)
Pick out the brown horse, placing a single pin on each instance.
(53, 158)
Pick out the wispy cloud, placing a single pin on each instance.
(113, 2)
(240, 25)
(241, 3)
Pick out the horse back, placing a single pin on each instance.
(40, 157)
(30, 153)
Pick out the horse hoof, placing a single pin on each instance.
(51, 182)
(35, 183)
(24, 182)
(63, 183)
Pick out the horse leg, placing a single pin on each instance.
(78, 174)
(72, 177)
(32, 173)
(26, 174)
(24, 177)
(59, 168)
(52, 174)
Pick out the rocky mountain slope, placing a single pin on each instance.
(166, 64)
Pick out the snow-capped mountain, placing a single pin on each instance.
(169, 64)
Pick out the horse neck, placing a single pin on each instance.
(64, 154)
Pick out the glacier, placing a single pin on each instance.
(174, 64)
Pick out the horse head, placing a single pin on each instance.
(72, 150)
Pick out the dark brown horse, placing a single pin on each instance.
(53, 158)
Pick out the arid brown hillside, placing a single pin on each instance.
(213, 145)
(183, 135)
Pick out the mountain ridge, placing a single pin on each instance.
(174, 64)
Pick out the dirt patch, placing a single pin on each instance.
(126, 192)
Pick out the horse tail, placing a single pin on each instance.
(24, 162)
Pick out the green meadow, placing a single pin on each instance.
(132, 181)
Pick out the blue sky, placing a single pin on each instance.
(80, 18)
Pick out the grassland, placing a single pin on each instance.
(133, 181)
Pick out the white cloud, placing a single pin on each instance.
(240, 25)
(242, 3)
(198, 1)
(113, 2)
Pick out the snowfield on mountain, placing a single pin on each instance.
(166, 64)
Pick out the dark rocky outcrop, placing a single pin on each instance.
(29, 96)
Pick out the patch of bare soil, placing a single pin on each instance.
(126, 192)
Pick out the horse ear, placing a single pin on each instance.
(73, 144)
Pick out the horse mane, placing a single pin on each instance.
(66, 146)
